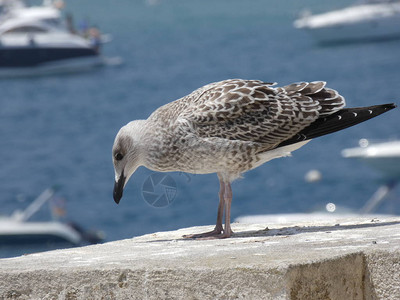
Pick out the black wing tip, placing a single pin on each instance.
(385, 107)
(346, 118)
(389, 106)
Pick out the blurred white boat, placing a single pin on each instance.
(36, 41)
(385, 157)
(369, 20)
(17, 229)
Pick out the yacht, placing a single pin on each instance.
(36, 41)
(384, 157)
(367, 20)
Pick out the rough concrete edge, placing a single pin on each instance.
(157, 283)
(366, 275)
(334, 278)
(382, 274)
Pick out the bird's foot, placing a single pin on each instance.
(210, 235)
(216, 231)
(217, 236)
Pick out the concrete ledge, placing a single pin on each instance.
(357, 258)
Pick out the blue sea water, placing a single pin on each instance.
(59, 130)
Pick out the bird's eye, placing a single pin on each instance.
(118, 156)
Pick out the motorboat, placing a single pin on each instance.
(18, 229)
(384, 157)
(35, 41)
(34, 48)
(367, 20)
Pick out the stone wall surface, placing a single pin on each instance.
(343, 258)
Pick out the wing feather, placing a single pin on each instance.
(254, 111)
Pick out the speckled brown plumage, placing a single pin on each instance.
(236, 120)
(230, 127)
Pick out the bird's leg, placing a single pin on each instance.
(218, 227)
(228, 201)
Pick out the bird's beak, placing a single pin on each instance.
(119, 188)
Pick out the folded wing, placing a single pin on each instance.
(250, 110)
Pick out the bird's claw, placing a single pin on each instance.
(210, 235)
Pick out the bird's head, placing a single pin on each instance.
(126, 155)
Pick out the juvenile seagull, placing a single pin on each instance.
(228, 128)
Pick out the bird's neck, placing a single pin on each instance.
(150, 143)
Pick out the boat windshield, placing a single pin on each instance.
(26, 29)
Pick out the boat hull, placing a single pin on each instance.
(384, 157)
(13, 232)
(358, 32)
(353, 24)
(29, 239)
(70, 65)
(17, 57)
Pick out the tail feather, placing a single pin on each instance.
(339, 120)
